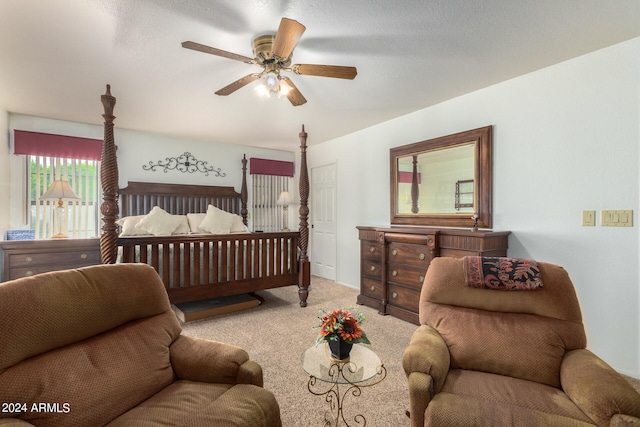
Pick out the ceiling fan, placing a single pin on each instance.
(273, 53)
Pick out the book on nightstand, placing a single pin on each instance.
(195, 310)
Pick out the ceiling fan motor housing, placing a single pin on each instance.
(262, 47)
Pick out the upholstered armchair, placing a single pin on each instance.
(101, 346)
(489, 357)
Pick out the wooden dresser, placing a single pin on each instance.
(21, 258)
(394, 261)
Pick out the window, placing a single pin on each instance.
(269, 178)
(267, 215)
(76, 160)
(82, 217)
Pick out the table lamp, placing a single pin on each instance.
(59, 190)
(284, 200)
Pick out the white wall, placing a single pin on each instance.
(135, 149)
(566, 139)
(4, 167)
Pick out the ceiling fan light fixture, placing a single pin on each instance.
(271, 81)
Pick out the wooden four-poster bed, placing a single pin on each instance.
(201, 266)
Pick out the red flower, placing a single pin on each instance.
(342, 324)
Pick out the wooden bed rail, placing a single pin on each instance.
(194, 266)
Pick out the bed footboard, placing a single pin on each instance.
(196, 267)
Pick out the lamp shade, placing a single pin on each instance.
(284, 199)
(59, 189)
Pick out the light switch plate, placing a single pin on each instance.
(589, 218)
(617, 218)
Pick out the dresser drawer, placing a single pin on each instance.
(406, 275)
(371, 268)
(403, 297)
(371, 288)
(73, 258)
(416, 255)
(371, 250)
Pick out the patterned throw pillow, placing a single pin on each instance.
(502, 273)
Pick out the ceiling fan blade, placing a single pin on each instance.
(294, 95)
(287, 37)
(335, 71)
(238, 84)
(213, 51)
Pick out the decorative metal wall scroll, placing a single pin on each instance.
(184, 163)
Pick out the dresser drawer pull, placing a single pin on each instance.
(394, 252)
(28, 259)
(394, 273)
(83, 256)
(421, 279)
(394, 295)
(28, 273)
(373, 268)
(372, 249)
(422, 256)
(373, 288)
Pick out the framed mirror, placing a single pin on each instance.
(443, 181)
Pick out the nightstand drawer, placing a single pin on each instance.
(29, 257)
(72, 258)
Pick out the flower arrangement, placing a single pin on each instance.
(475, 218)
(343, 324)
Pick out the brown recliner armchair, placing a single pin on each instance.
(484, 357)
(101, 346)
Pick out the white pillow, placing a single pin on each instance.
(128, 225)
(160, 223)
(238, 226)
(217, 221)
(195, 219)
(183, 228)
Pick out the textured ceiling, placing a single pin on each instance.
(56, 56)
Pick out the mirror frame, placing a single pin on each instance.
(483, 168)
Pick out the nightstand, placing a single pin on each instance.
(22, 258)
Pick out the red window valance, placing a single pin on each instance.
(51, 145)
(270, 167)
(407, 177)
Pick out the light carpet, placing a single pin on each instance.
(276, 333)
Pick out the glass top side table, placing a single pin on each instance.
(327, 375)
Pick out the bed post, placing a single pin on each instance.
(305, 267)
(109, 180)
(243, 191)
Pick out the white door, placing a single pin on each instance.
(323, 221)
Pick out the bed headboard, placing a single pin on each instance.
(138, 198)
